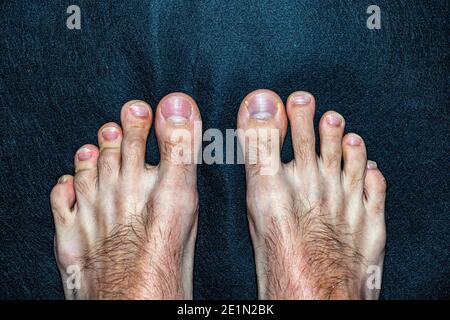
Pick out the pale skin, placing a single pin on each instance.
(131, 227)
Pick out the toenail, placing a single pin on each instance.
(139, 110)
(262, 106)
(302, 99)
(177, 110)
(63, 179)
(110, 133)
(334, 120)
(371, 165)
(354, 141)
(84, 154)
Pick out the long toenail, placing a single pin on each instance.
(139, 110)
(354, 141)
(262, 106)
(301, 99)
(84, 154)
(63, 179)
(110, 133)
(177, 110)
(371, 165)
(334, 120)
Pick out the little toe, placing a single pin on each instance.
(374, 189)
(62, 200)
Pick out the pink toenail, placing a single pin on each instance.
(110, 133)
(139, 110)
(177, 110)
(334, 120)
(262, 106)
(84, 154)
(371, 165)
(354, 141)
(302, 99)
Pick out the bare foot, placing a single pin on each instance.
(318, 229)
(125, 229)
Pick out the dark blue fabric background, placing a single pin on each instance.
(58, 86)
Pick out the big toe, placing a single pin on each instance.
(262, 126)
(178, 129)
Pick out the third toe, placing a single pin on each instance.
(331, 129)
(85, 180)
(109, 140)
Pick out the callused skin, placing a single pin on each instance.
(318, 229)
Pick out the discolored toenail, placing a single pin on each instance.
(262, 106)
(334, 120)
(177, 110)
(301, 99)
(110, 133)
(371, 165)
(63, 179)
(139, 110)
(84, 154)
(354, 141)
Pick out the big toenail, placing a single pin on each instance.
(262, 106)
(177, 110)
(334, 120)
(302, 99)
(110, 133)
(139, 110)
(371, 165)
(354, 141)
(84, 154)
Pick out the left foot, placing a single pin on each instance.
(126, 229)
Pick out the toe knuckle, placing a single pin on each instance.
(105, 162)
(356, 182)
(332, 160)
(56, 193)
(83, 184)
(135, 142)
(60, 218)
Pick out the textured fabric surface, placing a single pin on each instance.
(58, 86)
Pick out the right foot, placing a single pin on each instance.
(318, 231)
(125, 229)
